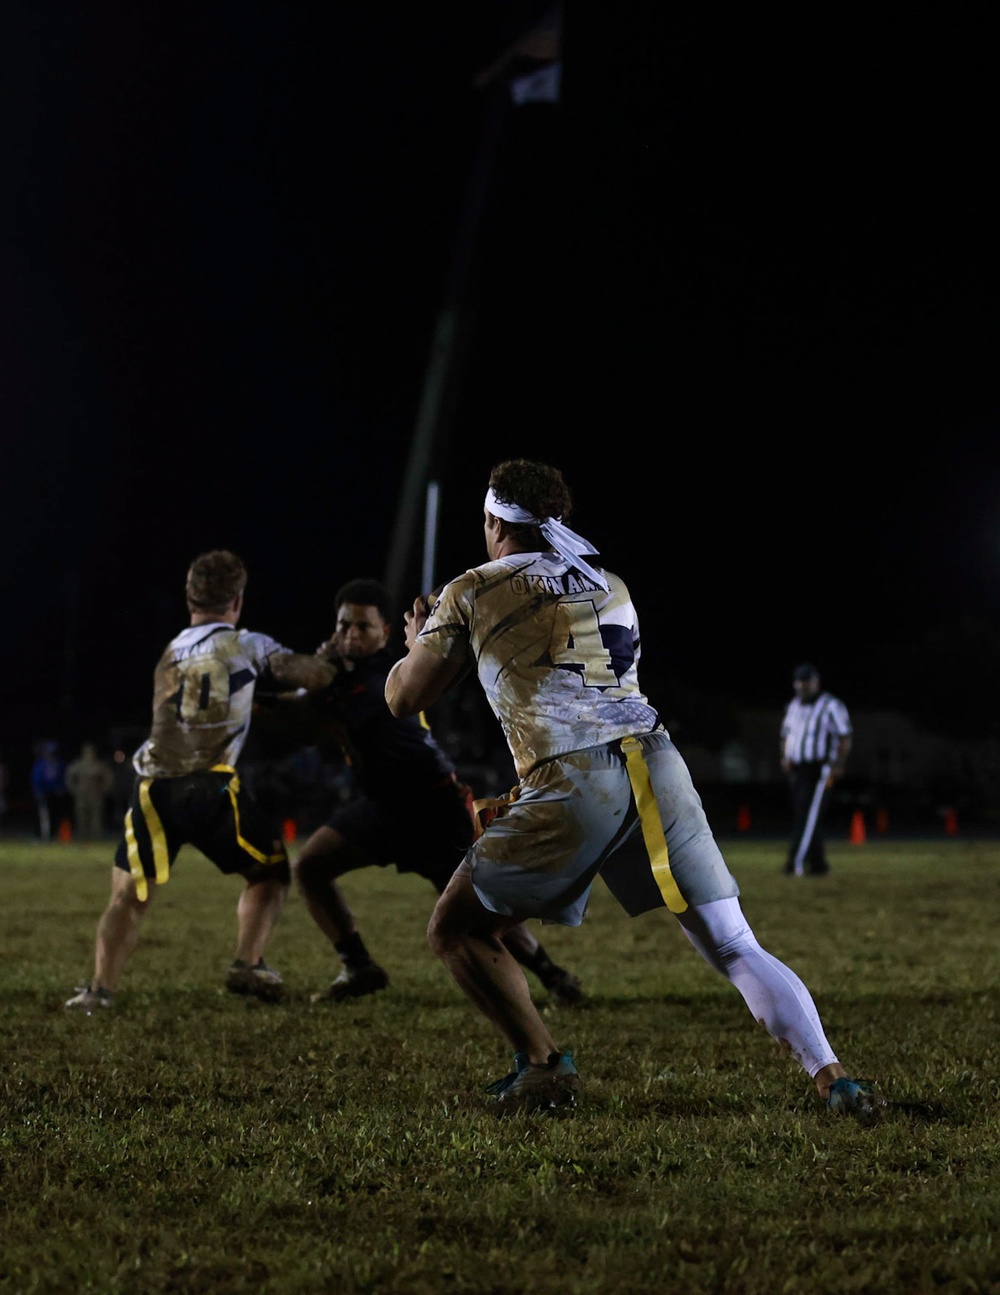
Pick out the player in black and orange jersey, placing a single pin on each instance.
(403, 779)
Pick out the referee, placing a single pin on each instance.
(815, 741)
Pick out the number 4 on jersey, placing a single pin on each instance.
(601, 655)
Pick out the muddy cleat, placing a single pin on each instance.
(564, 988)
(855, 1097)
(530, 1087)
(260, 981)
(354, 982)
(88, 1000)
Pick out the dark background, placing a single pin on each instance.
(740, 284)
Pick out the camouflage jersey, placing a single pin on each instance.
(203, 689)
(556, 656)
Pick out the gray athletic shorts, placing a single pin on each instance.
(578, 817)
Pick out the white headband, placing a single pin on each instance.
(566, 543)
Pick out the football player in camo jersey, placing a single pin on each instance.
(602, 789)
(186, 789)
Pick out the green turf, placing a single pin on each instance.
(189, 1140)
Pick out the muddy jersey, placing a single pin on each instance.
(203, 690)
(556, 656)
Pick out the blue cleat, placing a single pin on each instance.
(531, 1087)
(855, 1097)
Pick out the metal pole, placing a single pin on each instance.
(430, 536)
(446, 349)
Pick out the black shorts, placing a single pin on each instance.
(210, 811)
(428, 836)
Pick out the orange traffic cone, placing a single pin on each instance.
(857, 828)
(743, 818)
(882, 821)
(289, 830)
(951, 822)
(65, 830)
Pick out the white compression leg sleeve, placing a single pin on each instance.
(773, 992)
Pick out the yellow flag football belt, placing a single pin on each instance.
(158, 838)
(651, 823)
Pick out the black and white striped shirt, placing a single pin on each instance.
(811, 730)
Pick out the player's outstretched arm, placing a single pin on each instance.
(296, 670)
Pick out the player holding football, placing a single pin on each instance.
(187, 790)
(403, 778)
(602, 789)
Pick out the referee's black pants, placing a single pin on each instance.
(809, 805)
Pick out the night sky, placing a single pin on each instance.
(740, 284)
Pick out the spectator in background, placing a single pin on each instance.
(48, 786)
(89, 781)
(123, 781)
(815, 742)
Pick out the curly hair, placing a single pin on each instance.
(214, 579)
(539, 488)
(365, 593)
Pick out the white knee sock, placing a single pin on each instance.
(773, 992)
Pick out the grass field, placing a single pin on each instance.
(188, 1140)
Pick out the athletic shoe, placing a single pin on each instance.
(88, 1000)
(355, 982)
(564, 988)
(260, 981)
(534, 1087)
(854, 1097)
